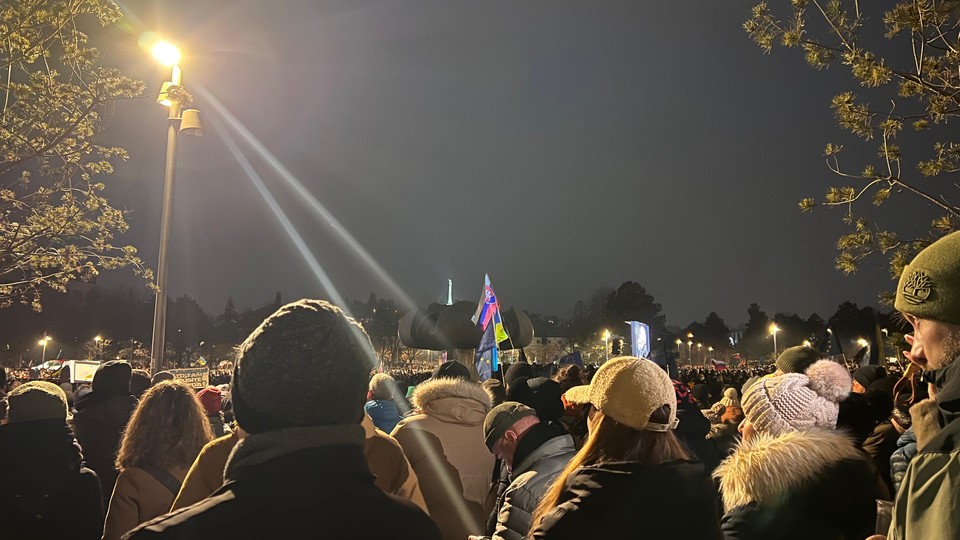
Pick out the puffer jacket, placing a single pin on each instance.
(532, 478)
(800, 485)
(443, 442)
(384, 413)
(901, 457)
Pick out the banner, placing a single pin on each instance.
(639, 339)
(194, 377)
(573, 358)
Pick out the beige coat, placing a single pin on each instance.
(206, 473)
(137, 497)
(387, 462)
(444, 443)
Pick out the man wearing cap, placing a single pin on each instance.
(299, 384)
(928, 296)
(534, 452)
(46, 492)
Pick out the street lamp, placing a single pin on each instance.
(709, 352)
(863, 343)
(606, 348)
(679, 342)
(43, 342)
(99, 342)
(689, 353)
(188, 123)
(806, 343)
(700, 351)
(773, 331)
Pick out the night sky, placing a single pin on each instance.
(558, 146)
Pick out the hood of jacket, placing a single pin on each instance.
(113, 411)
(39, 445)
(452, 400)
(765, 469)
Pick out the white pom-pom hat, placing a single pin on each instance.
(798, 402)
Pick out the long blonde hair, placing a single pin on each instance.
(168, 429)
(609, 441)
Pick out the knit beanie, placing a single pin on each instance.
(451, 370)
(868, 375)
(517, 370)
(160, 377)
(139, 382)
(797, 359)
(212, 400)
(540, 393)
(112, 379)
(36, 400)
(730, 397)
(929, 287)
(798, 402)
(305, 365)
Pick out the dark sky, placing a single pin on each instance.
(558, 146)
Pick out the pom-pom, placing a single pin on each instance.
(829, 380)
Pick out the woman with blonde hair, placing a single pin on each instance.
(161, 441)
(632, 478)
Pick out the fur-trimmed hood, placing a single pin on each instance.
(767, 469)
(452, 400)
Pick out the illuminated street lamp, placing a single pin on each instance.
(43, 342)
(806, 343)
(679, 342)
(863, 343)
(99, 342)
(188, 123)
(773, 331)
(689, 353)
(700, 350)
(606, 342)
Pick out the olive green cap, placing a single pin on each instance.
(929, 287)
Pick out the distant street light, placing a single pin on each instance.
(188, 123)
(863, 343)
(606, 342)
(679, 342)
(689, 352)
(99, 342)
(773, 331)
(43, 355)
(700, 350)
(806, 343)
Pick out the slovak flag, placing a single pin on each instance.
(488, 320)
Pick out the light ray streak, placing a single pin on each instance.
(308, 198)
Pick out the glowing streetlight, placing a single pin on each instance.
(606, 343)
(178, 121)
(700, 351)
(863, 343)
(806, 343)
(43, 342)
(99, 343)
(678, 342)
(689, 351)
(773, 331)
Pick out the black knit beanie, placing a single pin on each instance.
(517, 370)
(305, 365)
(541, 394)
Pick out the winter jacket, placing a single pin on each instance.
(880, 445)
(384, 413)
(800, 485)
(99, 423)
(532, 478)
(692, 432)
(671, 500)
(926, 505)
(216, 425)
(138, 497)
(901, 457)
(725, 438)
(297, 483)
(444, 444)
(391, 470)
(46, 494)
(206, 474)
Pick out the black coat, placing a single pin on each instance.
(798, 486)
(99, 424)
(632, 500)
(46, 493)
(325, 492)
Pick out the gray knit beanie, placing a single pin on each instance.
(305, 365)
(798, 402)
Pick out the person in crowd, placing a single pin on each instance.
(67, 388)
(730, 398)
(46, 493)
(794, 475)
(928, 297)
(443, 441)
(100, 418)
(632, 478)
(794, 360)
(725, 435)
(389, 465)
(300, 471)
(495, 390)
(380, 406)
(694, 427)
(165, 434)
(864, 376)
(139, 382)
(534, 453)
(161, 376)
(858, 416)
(515, 371)
(206, 473)
(212, 400)
(541, 394)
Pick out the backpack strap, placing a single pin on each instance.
(168, 480)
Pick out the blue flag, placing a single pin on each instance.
(487, 359)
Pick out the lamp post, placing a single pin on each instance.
(43, 342)
(709, 352)
(700, 352)
(606, 348)
(773, 331)
(689, 353)
(679, 342)
(188, 122)
(99, 342)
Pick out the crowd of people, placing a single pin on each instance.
(308, 439)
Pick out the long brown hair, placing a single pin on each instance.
(609, 441)
(168, 429)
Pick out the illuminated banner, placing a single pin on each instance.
(194, 377)
(639, 339)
